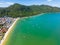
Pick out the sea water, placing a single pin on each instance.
(43, 29)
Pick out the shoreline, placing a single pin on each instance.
(6, 34)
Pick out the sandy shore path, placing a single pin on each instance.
(9, 30)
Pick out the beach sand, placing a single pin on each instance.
(8, 32)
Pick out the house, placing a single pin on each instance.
(4, 30)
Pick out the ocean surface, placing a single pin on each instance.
(43, 29)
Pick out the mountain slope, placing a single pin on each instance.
(18, 10)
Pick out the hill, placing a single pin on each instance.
(18, 10)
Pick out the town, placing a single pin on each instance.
(5, 23)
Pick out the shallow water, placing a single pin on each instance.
(37, 30)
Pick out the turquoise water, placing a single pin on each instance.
(43, 29)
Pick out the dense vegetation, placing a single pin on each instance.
(18, 10)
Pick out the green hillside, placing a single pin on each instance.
(18, 10)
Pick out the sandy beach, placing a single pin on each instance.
(9, 30)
